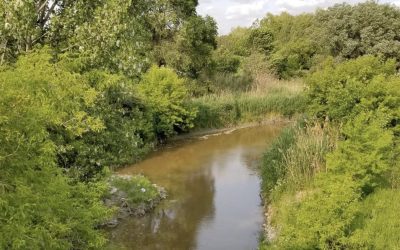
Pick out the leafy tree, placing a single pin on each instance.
(288, 42)
(236, 42)
(350, 31)
(39, 206)
(190, 54)
(336, 90)
(165, 94)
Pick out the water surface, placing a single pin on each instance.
(213, 189)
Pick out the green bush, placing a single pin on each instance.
(137, 188)
(165, 94)
(337, 89)
(333, 211)
(40, 207)
(378, 223)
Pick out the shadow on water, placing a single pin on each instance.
(213, 191)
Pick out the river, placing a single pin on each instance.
(213, 187)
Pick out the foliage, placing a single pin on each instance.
(137, 188)
(287, 41)
(273, 168)
(224, 110)
(332, 210)
(378, 222)
(127, 135)
(369, 28)
(336, 90)
(40, 206)
(165, 94)
(190, 53)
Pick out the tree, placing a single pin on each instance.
(350, 31)
(165, 94)
(40, 207)
(190, 54)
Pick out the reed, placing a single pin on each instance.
(229, 109)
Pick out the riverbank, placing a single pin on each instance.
(275, 104)
(227, 110)
(213, 194)
(332, 182)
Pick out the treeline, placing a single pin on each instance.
(84, 86)
(290, 46)
(332, 180)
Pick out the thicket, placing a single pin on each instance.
(292, 45)
(324, 188)
(80, 94)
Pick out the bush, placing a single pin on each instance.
(165, 95)
(336, 90)
(378, 224)
(40, 207)
(138, 189)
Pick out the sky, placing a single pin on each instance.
(233, 13)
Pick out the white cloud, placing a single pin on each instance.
(245, 9)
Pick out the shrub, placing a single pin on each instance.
(336, 90)
(165, 95)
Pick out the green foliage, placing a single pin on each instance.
(233, 83)
(190, 54)
(333, 210)
(378, 222)
(336, 90)
(262, 40)
(165, 94)
(216, 111)
(128, 134)
(40, 207)
(350, 31)
(225, 62)
(322, 218)
(287, 40)
(273, 168)
(236, 42)
(367, 153)
(138, 189)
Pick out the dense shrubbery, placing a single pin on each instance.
(40, 206)
(325, 208)
(293, 45)
(60, 130)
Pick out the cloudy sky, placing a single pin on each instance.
(232, 13)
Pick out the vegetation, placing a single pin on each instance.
(87, 86)
(79, 94)
(230, 109)
(322, 178)
(341, 175)
(138, 189)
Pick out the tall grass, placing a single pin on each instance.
(228, 109)
(295, 157)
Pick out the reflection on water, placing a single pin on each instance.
(213, 192)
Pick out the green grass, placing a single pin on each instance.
(137, 188)
(227, 109)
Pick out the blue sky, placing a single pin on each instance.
(232, 13)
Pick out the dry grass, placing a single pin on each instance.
(266, 82)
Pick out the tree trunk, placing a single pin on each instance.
(3, 51)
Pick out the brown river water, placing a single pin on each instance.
(213, 194)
